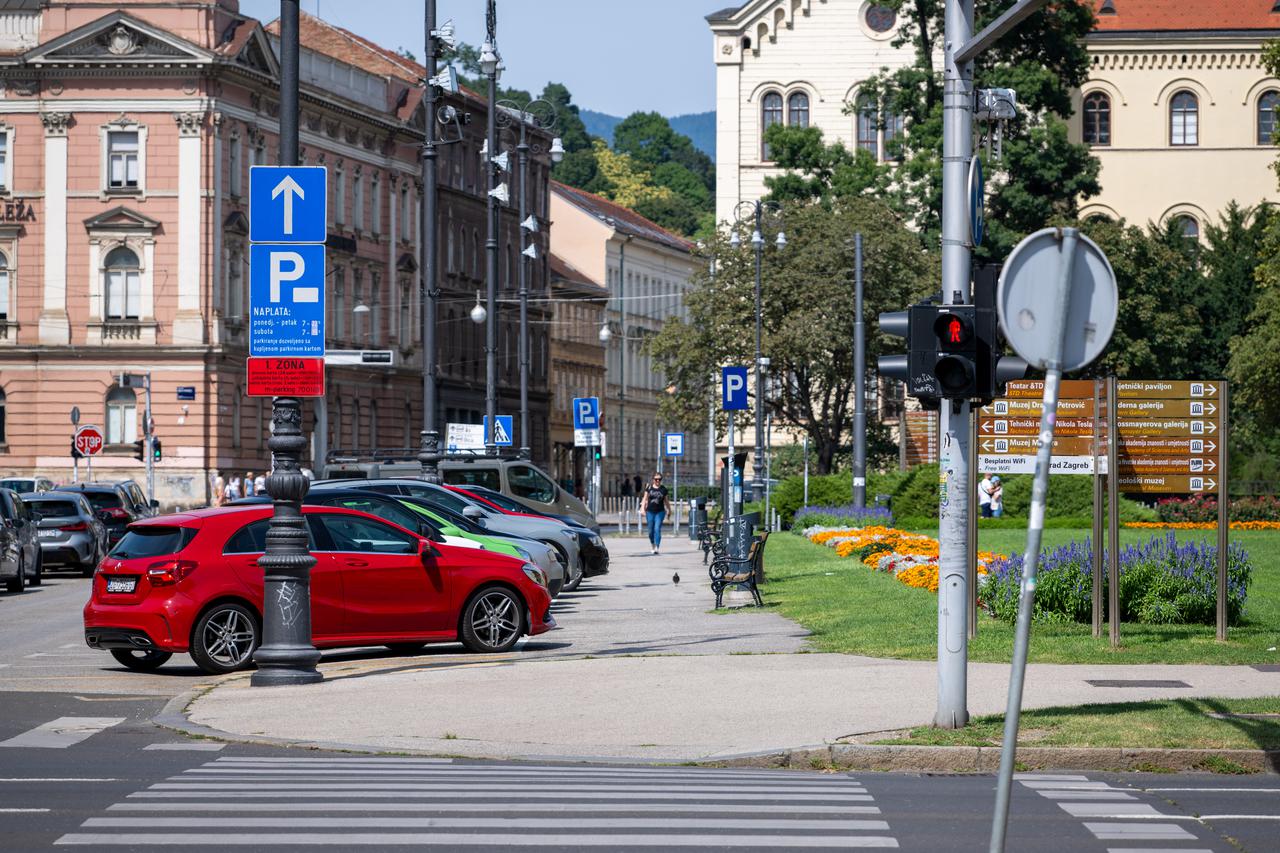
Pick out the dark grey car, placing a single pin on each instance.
(113, 503)
(70, 532)
(20, 559)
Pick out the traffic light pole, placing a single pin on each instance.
(150, 443)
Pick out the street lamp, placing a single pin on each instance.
(760, 214)
(540, 115)
(490, 62)
(478, 314)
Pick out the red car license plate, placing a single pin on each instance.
(122, 584)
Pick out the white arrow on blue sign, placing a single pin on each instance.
(502, 436)
(733, 389)
(586, 413)
(288, 204)
(286, 301)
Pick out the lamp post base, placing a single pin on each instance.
(286, 665)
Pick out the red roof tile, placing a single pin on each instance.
(1186, 15)
(622, 218)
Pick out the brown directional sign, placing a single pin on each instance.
(1168, 465)
(1066, 428)
(1021, 445)
(1034, 389)
(1144, 446)
(1169, 483)
(1067, 407)
(1158, 389)
(1167, 427)
(921, 437)
(1166, 408)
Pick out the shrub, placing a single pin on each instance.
(841, 516)
(1204, 508)
(1161, 582)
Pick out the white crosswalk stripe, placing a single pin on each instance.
(61, 733)
(392, 802)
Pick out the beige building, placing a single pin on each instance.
(1179, 109)
(577, 364)
(646, 270)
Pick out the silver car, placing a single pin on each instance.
(70, 532)
(554, 533)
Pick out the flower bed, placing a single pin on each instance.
(842, 516)
(1202, 525)
(1162, 582)
(1204, 508)
(912, 558)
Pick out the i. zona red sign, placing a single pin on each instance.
(285, 377)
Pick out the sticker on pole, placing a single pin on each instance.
(285, 377)
(1028, 303)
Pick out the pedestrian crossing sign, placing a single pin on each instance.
(503, 432)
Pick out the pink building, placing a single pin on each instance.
(126, 137)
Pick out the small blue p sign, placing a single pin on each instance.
(733, 389)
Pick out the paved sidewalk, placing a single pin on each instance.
(642, 670)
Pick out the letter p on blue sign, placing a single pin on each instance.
(586, 413)
(733, 389)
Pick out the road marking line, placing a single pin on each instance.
(695, 823)
(491, 807)
(193, 746)
(387, 839)
(410, 785)
(1156, 850)
(1125, 810)
(1070, 786)
(59, 779)
(62, 732)
(1086, 795)
(465, 794)
(1048, 777)
(114, 698)
(22, 811)
(214, 773)
(1221, 790)
(1204, 817)
(1139, 832)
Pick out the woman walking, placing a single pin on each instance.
(656, 506)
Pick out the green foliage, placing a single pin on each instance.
(817, 170)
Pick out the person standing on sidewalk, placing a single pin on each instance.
(656, 506)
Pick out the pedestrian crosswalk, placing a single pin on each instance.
(438, 804)
(61, 733)
(1131, 820)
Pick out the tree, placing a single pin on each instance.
(1230, 258)
(1043, 175)
(649, 138)
(817, 170)
(807, 314)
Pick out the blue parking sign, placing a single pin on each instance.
(287, 204)
(286, 300)
(733, 389)
(586, 413)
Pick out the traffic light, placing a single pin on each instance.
(994, 367)
(955, 362)
(75, 454)
(139, 450)
(155, 449)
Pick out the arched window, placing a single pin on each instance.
(798, 110)
(770, 114)
(122, 415)
(4, 435)
(1267, 105)
(1097, 119)
(868, 126)
(1184, 119)
(1188, 226)
(121, 284)
(4, 286)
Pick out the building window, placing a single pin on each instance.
(1267, 105)
(4, 160)
(4, 286)
(237, 418)
(375, 310)
(405, 231)
(893, 135)
(357, 201)
(1188, 227)
(359, 328)
(1184, 123)
(122, 159)
(770, 114)
(339, 197)
(1097, 119)
(868, 126)
(235, 284)
(377, 204)
(233, 164)
(122, 284)
(798, 110)
(339, 303)
(122, 416)
(407, 331)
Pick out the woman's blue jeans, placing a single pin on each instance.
(654, 521)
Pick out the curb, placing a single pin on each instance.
(914, 759)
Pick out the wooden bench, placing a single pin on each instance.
(741, 574)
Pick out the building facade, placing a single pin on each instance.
(577, 365)
(646, 271)
(126, 138)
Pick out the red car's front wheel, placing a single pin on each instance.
(493, 620)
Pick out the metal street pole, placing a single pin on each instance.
(622, 357)
(859, 382)
(757, 460)
(150, 442)
(953, 417)
(523, 151)
(429, 447)
(287, 655)
(491, 245)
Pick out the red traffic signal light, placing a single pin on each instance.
(953, 329)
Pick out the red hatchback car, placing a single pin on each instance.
(190, 582)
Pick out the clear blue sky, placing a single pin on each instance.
(616, 56)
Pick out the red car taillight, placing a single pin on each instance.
(74, 528)
(169, 572)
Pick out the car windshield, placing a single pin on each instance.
(19, 485)
(104, 500)
(152, 541)
(473, 476)
(54, 509)
(444, 516)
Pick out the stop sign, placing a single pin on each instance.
(88, 440)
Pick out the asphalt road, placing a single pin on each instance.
(82, 765)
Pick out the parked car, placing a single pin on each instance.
(115, 503)
(21, 562)
(23, 485)
(545, 530)
(69, 532)
(595, 554)
(518, 478)
(393, 508)
(190, 582)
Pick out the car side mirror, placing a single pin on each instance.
(155, 504)
(428, 551)
(472, 512)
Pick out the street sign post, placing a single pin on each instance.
(88, 441)
(673, 446)
(504, 430)
(733, 398)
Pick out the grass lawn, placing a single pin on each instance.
(854, 610)
(1173, 724)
